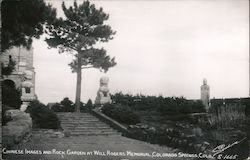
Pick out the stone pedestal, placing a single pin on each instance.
(103, 95)
(205, 94)
(28, 93)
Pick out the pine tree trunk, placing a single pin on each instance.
(1, 109)
(78, 84)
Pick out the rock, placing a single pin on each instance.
(7, 139)
(206, 143)
(190, 136)
(50, 131)
(185, 142)
(197, 131)
(180, 142)
(182, 135)
(59, 134)
(190, 144)
(16, 129)
(131, 126)
(203, 148)
(152, 129)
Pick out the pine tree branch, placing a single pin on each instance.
(87, 67)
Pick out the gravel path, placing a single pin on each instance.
(45, 146)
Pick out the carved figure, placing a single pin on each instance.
(205, 94)
(28, 94)
(103, 95)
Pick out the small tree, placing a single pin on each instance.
(67, 105)
(78, 34)
(89, 104)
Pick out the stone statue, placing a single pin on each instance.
(103, 95)
(205, 94)
(28, 94)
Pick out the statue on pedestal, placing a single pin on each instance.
(28, 94)
(103, 95)
(205, 94)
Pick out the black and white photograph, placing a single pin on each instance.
(125, 80)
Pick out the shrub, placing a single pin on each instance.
(163, 105)
(246, 102)
(89, 105)
(5, 118)
(83, 107)
(66, 105)
(42, 117)
(122, 114)
(11, 98)
(57, 107)
(10, 95)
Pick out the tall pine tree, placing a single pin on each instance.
(78, 34)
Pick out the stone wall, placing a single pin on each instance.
(16, 129)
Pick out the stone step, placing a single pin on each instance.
(87, 127)
(76, 118)
(74, 115)
(84, 124)
(86, 119)
(80, 120)
(71, 113)
(94, 133)
(91, 129)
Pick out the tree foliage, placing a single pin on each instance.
(79, 35)
(24, 20)
(79, 32)
(7, 70)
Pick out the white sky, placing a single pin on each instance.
(161, 47)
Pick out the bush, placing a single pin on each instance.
(10, 95)
(122, 114)
(163, 105)
(66, 105)
(89, 105)
(5, 118)
(57, 107)
(42, 117)
(246, 102)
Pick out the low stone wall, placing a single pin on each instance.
(111, 122)
(16, 129)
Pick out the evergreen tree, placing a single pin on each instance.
(67, 105)
(23, 20)
(89, 104)
(78, 34)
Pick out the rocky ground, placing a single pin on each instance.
(52, 145)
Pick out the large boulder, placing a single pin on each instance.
(16, 129)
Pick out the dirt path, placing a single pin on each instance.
(98, 147)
